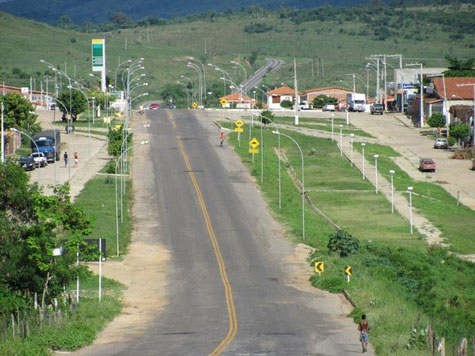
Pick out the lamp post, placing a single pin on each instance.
(409, 190)
(37, 149)
(376, 172)
(88, 119)
(391, 172)
(341, 140)
(245, 73)
(115, 75)
(362, 157)
(352, 136)
(2, 142)
(69, 145)
(303, 181)
(116, 197)
(204, 76)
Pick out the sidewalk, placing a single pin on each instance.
(92, 158)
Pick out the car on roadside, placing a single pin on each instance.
(154, 106)
(328, 107)
(27, 162)
(427, 165)
(40, 159)
(377, 109)
(441, 142)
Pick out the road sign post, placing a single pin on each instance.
(194, 105)
(98, 48)
(254, 144)
(239, 129)
(348, 273)
(319, 267)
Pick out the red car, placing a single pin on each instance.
(427, 164)
(154, 106)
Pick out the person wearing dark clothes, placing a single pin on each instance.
(363, 327)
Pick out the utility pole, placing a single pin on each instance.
(312, 67)
(2, 139)
(296, 101)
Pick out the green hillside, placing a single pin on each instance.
(340, 40)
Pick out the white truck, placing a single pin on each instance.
(355, 102)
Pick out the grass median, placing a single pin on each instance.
(98, 200)
(397, 281)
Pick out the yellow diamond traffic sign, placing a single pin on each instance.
(319, 267)
(223, 102)
(348, 270)
(238, 129)
(254, 143)
(194, 105)
(239, 123)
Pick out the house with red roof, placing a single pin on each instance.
(277, 96)
(238, 100)
(333, 92)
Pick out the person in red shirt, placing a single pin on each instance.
(221, 137)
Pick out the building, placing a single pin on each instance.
(335, 92)
(446, 90)
(39, 98)
(277, 96)
(238, 100)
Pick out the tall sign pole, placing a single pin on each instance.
(296, 101)
(98, 48)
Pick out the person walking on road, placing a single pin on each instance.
(221, 137)
(65, 158)
(76, 160)
(363, 328)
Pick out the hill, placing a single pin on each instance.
(340, 39)
(100, 10)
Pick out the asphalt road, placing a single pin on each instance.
(271, 65)
(227, 290)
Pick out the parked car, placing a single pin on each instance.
(427, 165)
(40, 159)
(328, 107)
(377, 109)
(441, 142)
(27, 162)
(154, 106)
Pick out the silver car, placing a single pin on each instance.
(40, 159)
(441, 142)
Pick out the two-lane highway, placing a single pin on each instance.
(227, 291)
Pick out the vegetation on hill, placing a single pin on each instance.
(328, 43)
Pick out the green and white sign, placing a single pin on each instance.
(98, 55)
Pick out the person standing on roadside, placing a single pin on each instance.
(363, 328)
(221, 137)
(65, 158)
(76, 160)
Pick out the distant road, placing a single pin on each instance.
(271, 65)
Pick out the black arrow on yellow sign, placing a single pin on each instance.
(348, 270)
(319, 267)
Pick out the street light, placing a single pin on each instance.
(303, 181)
(362, 157)
(391, 172)
(37, 149)
(116, 196)
(376, 172)
(409, 190)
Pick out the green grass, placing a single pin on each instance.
(98, 201)
(98, 123)
(76, 331)
(323, 124)
(457, 223)
(396, 280)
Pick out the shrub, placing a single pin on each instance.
(286, 104)
(267, 117)
(436, 120)
(451, 141)
(343, 244)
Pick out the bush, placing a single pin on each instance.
(436, 120)
(286, 104)
(267, 117)
(451, 141)
(343, 244)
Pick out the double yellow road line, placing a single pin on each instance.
(232, 328)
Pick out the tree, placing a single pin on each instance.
(267, 117)
(31, 226)
(116, 137)
(436, 120)
(65, 21)
(78, 102)
(460, 131)
(121, 20)
(321, 100)
(19, 113)
(460, 67)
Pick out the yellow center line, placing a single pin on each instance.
(232, 329)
